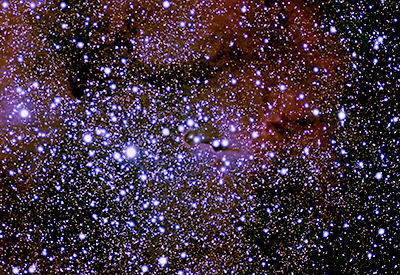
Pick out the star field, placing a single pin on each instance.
(199, 137)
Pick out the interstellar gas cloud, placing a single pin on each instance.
(199, 137)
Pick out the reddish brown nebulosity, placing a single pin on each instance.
(258, 63)
(296, 44)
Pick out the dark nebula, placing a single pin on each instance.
(199, 137)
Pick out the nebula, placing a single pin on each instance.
(198, 137)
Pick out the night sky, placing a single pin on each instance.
(199, 137)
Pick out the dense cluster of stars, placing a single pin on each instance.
(199, 137)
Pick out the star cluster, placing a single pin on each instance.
(199, 137)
